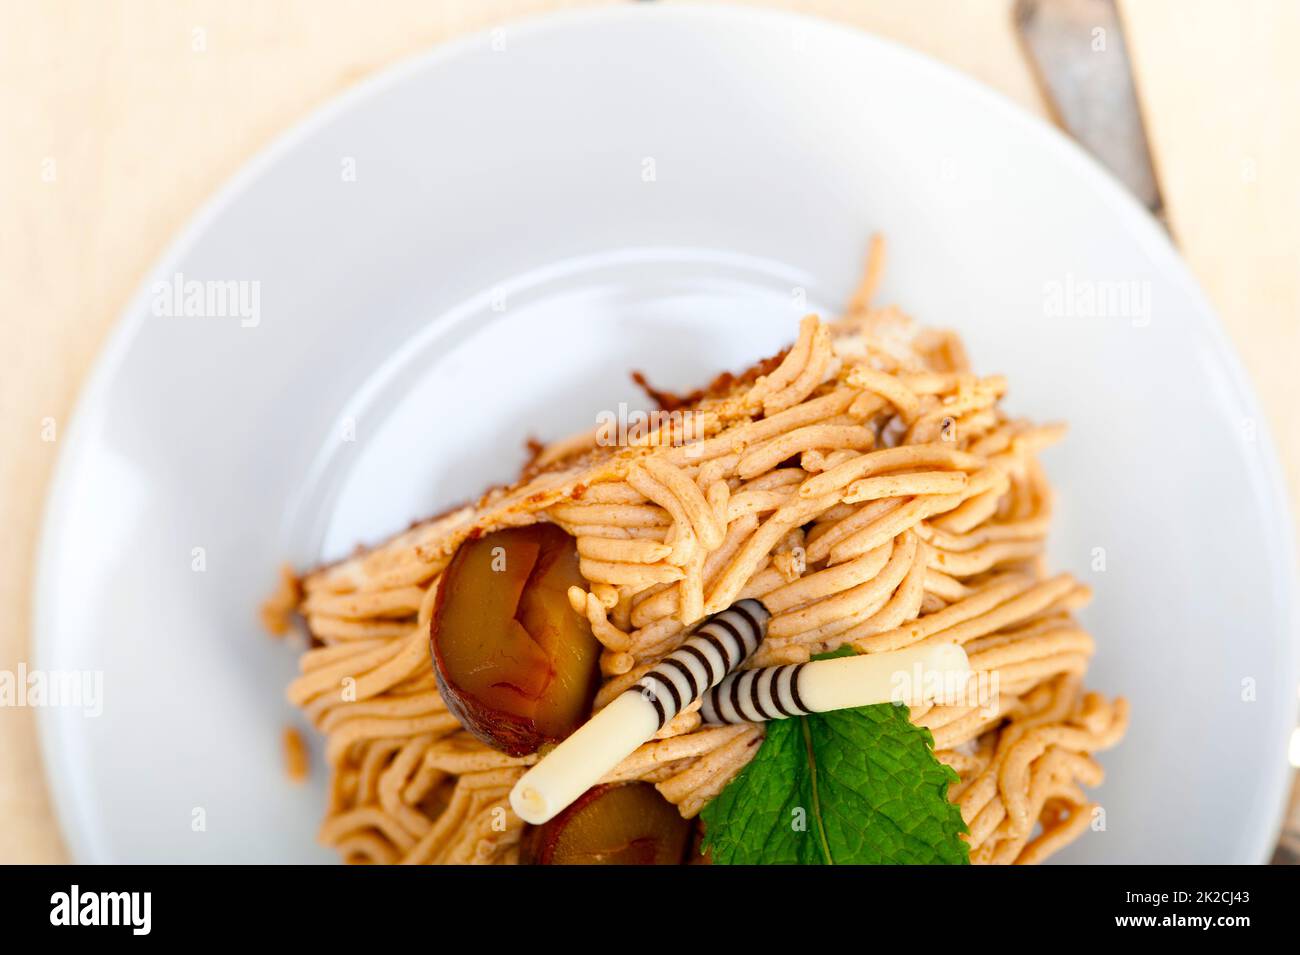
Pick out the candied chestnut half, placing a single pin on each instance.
(515, 664)
(618, 824)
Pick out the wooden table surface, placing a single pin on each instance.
(119, 118)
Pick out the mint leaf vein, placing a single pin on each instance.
(852, 787)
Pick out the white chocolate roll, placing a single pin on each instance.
(717, 647)
(577, 764)
(936, 673)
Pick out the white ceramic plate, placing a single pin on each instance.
(478, 245)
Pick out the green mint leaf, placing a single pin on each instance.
(844, 651)
(851, 787)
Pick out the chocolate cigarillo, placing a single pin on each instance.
(912, 675)
(717, 647)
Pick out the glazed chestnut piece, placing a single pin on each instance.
(618, 824)
(515, 664)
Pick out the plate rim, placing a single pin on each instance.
(69, 801)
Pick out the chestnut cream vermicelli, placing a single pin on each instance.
(865, 485)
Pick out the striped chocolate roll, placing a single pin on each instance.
(755, 696)
(921, 673)
(715, 648)
(719, 645)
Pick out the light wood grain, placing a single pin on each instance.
(141, 109)
(1220, 91)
